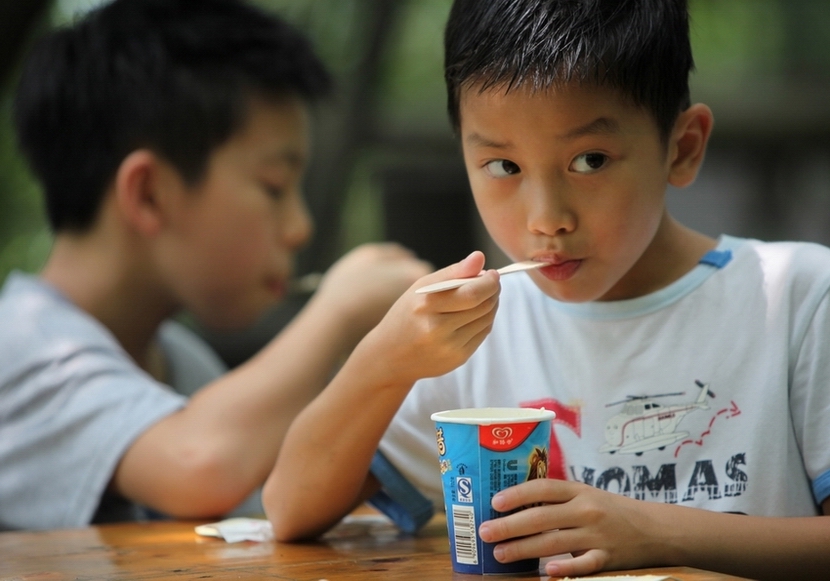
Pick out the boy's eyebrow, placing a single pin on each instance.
(289, 156)
(601, 125)
(597, 126)
(481, 141)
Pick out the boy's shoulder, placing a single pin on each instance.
(788, 276)
(32, 310)
(20, 295)
(785, 259)
(40, 326)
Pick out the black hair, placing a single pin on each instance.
(173, 76)
(640, 48)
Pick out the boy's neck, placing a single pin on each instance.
(110, 282)
(674, 251)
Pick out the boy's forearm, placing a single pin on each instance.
(278, 382)
(225, 442)
(256, 403)
(331, 444)
(749, 546)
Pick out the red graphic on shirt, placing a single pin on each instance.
(566, 415)
(726, 413)
(504, 437)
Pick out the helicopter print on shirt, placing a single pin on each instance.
(644, 424)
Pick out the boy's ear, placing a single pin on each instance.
(688, 144)
(139, 191)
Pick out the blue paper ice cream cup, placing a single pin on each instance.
(483, 451)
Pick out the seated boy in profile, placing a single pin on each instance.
(170, 137)
(689, 375)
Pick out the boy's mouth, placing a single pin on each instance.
(561, 270)
(277, 287)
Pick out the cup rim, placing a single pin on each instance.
(493, 415)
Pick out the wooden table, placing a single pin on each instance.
(365, 546)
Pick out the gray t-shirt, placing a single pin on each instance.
(72, 402)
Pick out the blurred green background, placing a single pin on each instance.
(386, 165)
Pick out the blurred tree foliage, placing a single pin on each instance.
(24, 239)
(401, 92)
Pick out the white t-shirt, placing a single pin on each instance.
(713, 392)
(72, 402)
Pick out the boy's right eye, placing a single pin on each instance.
(500, 168)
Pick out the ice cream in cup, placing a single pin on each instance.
(482, 451)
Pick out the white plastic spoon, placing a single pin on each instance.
(457, 282)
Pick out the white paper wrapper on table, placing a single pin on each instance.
(238, 529)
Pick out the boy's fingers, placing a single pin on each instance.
(469, 267)
(537, 545)
(554, 543)
(535, 537)
(523, 523)
(467, 326)
(545, 501)
(560, 543)
(543, 490)
(590, 562)
(471, 301)
(481, 294)
(474, 332)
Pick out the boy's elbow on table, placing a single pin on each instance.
(290, 525)
(283, 520)
(296, 517)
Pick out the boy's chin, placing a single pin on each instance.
(568, 295)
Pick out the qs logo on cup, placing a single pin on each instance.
(464, 487)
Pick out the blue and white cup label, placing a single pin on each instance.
(480, 453)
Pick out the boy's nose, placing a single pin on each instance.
(297, 222)
(548, 212)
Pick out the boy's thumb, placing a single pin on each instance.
(469, 266)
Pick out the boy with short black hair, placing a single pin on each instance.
(685, 371)
(171, 138)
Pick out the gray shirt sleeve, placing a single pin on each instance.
(71, 403)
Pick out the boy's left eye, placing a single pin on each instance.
(588, 162)
(500, 168)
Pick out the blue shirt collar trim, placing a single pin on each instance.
(710, 263)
